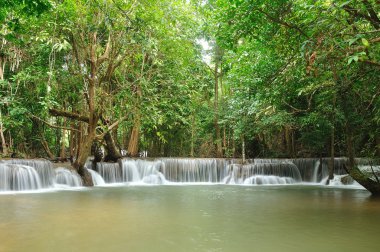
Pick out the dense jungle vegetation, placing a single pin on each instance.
(216, 78)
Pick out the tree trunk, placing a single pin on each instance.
(332, 155)
(224, 146)
(352, 169)
(219, 150)
(2, 66)
(331, 163)
(3, 142)
(45, 145)
(233, 145)
(79, 139)
(192, 135)
(82, 158)
(113, 153)
(243, 149)
(288, 141)
(93, 118)
(133, 145)
(72, 144)
(293, 145)
(62, 154)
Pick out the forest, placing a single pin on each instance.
(190, 78)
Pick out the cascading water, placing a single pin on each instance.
(263, 171)
(36, 174)
(142, 170)
(194, 170)
(18, 178)
(286, 169)
(96, 178)
(233, 171)
(67, 177)
(268, 180)
(310, 169)
(110, 172)
(19, 174)
(206, 170)
(44, 168)
(130, 171)
(373, 171)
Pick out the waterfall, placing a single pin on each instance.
(137, 170)
(206, 170)
(281, 169)
(309, 169)
(320, 172)
(43, 167)
(194, 170)
(96, 178)
(130, 171)
(372, 170)
(110, 172)
(269, 180)
(233, 176)
(19, 174)
(264, 171)
(67, 177)
(198, 170)
(154, 179)
(35, 174)
(317, 165)
(18, 178)
(178, 170)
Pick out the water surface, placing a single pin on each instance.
(192, 218)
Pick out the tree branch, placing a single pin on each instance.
(53, 126)
(296, 110)
(372, 63)
(67, 114)
(106, 53)
(360, 48)
(356, 13)
(373, 99)
(372, 14)
(281, 22)
(111, 127)
(270, 79)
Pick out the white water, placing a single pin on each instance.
(268, 180)
(35, 175)
(23, 175)
(186, 170)
(67, 177)
(110, 172)
(96, 178)
(18, 178)
(43, 167)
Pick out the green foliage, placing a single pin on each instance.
(289, 60)
(291, 73)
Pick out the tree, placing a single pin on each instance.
(315, 50)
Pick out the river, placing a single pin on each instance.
(191, 218)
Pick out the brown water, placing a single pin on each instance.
(192, 218)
